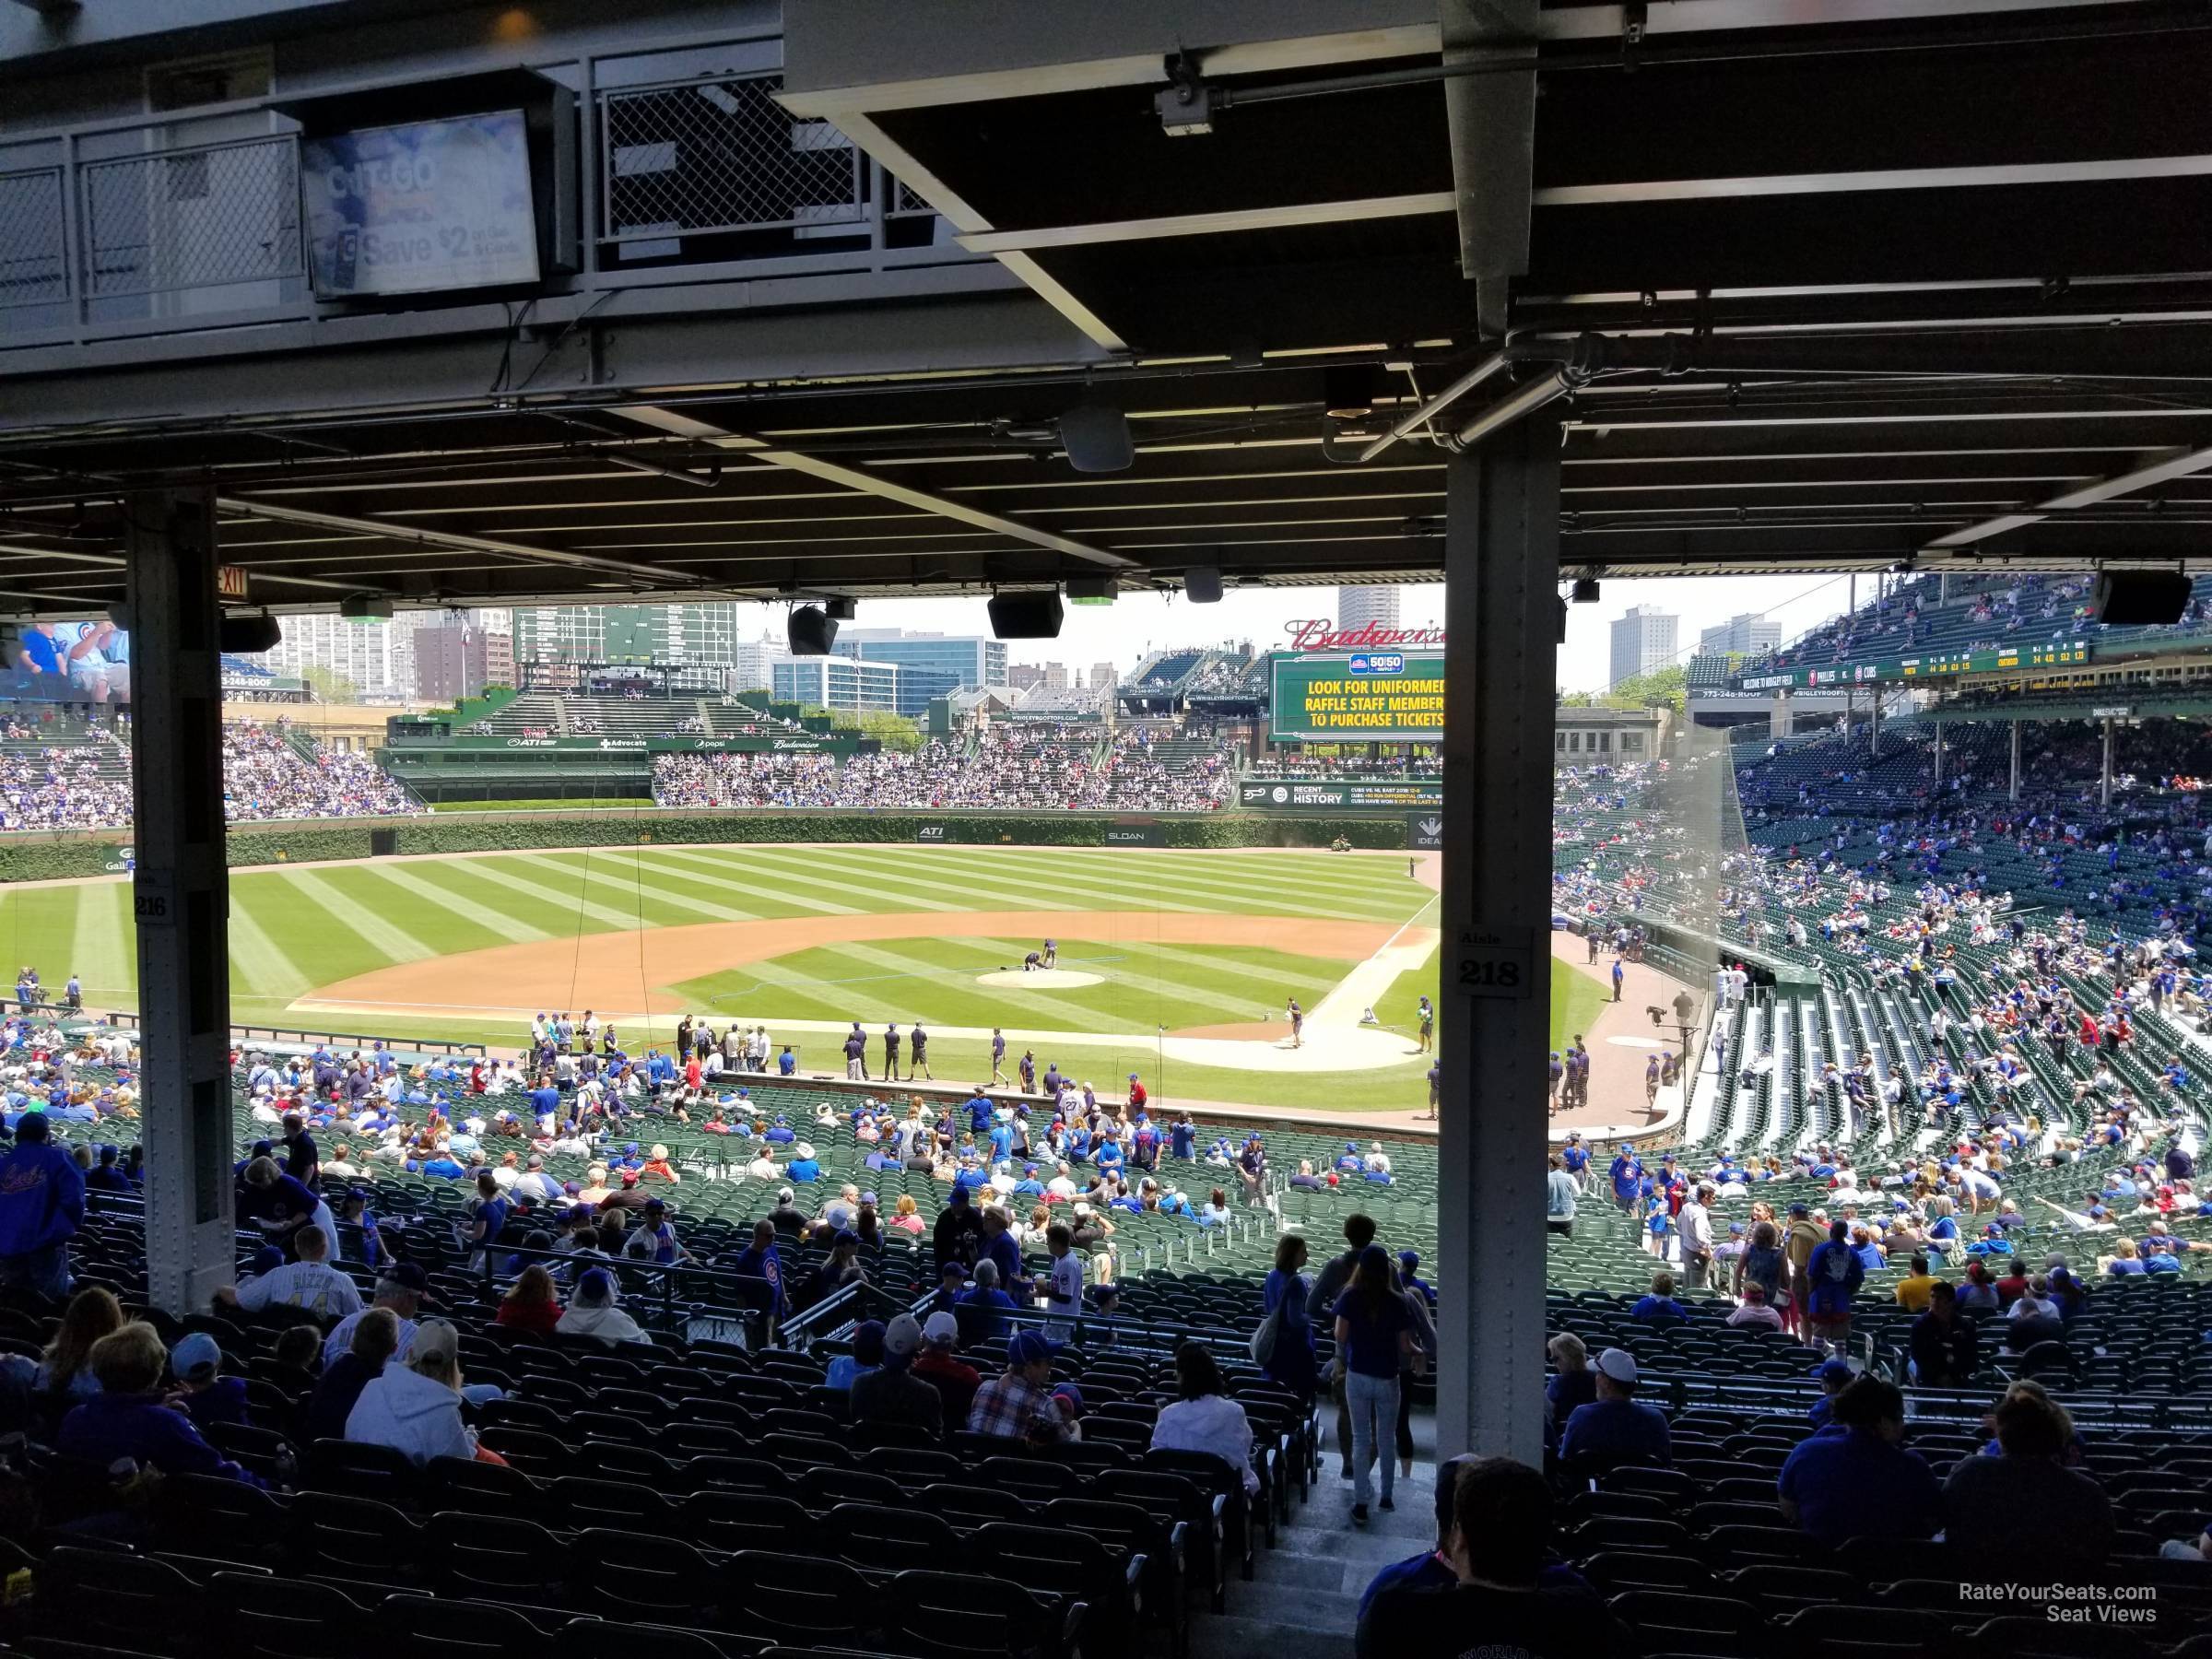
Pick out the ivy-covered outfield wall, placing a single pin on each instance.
(42, 858)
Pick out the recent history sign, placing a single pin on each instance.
(1359, 697)
(1283, 795)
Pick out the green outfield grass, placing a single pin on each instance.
(1141, 988)
(295, 929)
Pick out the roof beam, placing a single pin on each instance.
(1881, 179)
(422, 536)
(868, 483)
(2178, 464)
(1209, 224)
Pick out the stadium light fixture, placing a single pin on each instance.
(1585, 591)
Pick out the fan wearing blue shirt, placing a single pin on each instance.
(1615, 1430)
(1627, 1175)
(1856, 1480)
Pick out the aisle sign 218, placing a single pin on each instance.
(1498, 962)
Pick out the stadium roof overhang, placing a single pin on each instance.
(1814, 284)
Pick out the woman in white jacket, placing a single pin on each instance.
(593, 1311)
(414, 1407)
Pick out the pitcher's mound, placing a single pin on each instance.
(1039, 979)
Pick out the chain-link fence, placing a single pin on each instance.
(193, 218)
(34, 241)
(723, 156)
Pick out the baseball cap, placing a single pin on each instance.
(901, 1337)
(941, 1328)
(654, 1207)
(783, 1195)
(1617, 1364)
(868, 1341)
(196, 1359)
(409, 1276)
(1832, 1370)
(1027, 1348)
(359, 1194)
(1800, 1209)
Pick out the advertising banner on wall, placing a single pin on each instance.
(1425, 831)
(932, 832)
(1259, 795)
(421, 207)
(1137, 835)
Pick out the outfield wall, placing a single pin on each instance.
(49, 857)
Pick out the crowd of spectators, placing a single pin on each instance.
(87, 785)
(1012, 767)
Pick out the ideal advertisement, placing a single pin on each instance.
(422, 207)
(1359, 697)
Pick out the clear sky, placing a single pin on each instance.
(1123, 631)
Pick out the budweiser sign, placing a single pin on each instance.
(1321, 634)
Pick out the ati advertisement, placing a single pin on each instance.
(1360, 696)
(1256, 796)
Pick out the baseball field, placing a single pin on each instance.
(1177, 965)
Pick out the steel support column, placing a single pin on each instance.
(1501, 600)
(181, 897)
(1874, 724)
(1939, 754)
(2012, 790)
(1781, 716)
(2104, 771)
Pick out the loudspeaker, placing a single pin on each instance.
(1095, 437)
(382, 843)
(1031, 616)
(249, 634)
(1202, 584)
(2132, 598)
(810, 632)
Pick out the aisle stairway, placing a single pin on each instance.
(1304, 1598)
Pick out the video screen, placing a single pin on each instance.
(65, 662)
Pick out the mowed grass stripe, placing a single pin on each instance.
(1181, 1001)
(963, 1002)
(259, 967)
(41, 923)
(1262, 878)
(1280, 896)
(760, 892)
(985, 879)
(498, 926)
(804, 870)
(779, 984)
(552, 904)
(1130, 980)
(621, 891)
(689, 907)
(1184, 957)
(315, 940)
(102, 951)
(695, 886)
(874, 887)
(366, 921)
(1066, 889)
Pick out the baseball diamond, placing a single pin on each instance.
(1175, 962)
